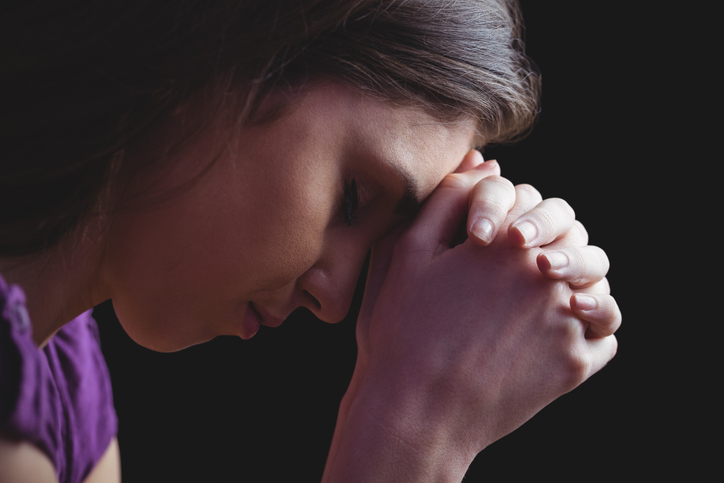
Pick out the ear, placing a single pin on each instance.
(472, 159)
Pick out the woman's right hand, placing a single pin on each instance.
(458, 346)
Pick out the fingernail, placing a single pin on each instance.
(585, 302)
(528, 231)
(556, 260)
(483, 229)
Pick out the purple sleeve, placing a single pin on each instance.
(27, 393)
(60, 398)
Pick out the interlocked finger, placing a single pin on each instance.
(579, 266)
(577, 236)
(600, 311)
(551, 219)
(490, 201)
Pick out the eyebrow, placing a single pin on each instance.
(411, 200)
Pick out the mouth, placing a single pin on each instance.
(254, 317)
(251, 322)
(265, 318)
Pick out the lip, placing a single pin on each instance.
(266, 319)
(255, 317)
(251, 322)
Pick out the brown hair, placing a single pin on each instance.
(83, 80)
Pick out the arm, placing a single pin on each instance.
(108, 468)
(432, 388)
(21, 462)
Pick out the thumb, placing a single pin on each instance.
(473, 159)
(439, 222)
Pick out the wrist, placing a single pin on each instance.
(395, 430)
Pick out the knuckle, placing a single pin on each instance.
(606, 328)
(598, 254)
(500, 181)
(590, 265)
(577, 368)
(603, 256)
(454, 181)
(581, 267)
(614, 348)
(602, 262)
(527, 189)
(581, 229)
(564, 205)
(581, 262)
(595, 286)
(545, 220)
(606, 286)
(490, 205)
(617, 316)
(494, 186)
(493, 195)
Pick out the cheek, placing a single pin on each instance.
(287, 230)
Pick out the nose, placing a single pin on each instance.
(329, 285)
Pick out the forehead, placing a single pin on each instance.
(405, 137)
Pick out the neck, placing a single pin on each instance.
(59, 285)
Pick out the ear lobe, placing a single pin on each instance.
(472, 160)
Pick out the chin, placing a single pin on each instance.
(156, 333)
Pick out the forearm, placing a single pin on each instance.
(341, 421)
(391, 435)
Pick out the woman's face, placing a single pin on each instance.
(283, 218)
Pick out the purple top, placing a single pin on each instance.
(60, 398)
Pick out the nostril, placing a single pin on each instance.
(313, 300)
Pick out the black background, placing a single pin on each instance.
(264, 409)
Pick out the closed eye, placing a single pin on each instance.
(350, 202)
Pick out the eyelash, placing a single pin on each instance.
(350, 202)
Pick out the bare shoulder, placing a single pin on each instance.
(22, 462)
(108, 468)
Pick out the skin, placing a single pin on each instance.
(432, 389)
(262, 227)
(270, 211)
(21, 462)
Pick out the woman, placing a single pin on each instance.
(211, 166)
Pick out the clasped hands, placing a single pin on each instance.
(461, 343)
